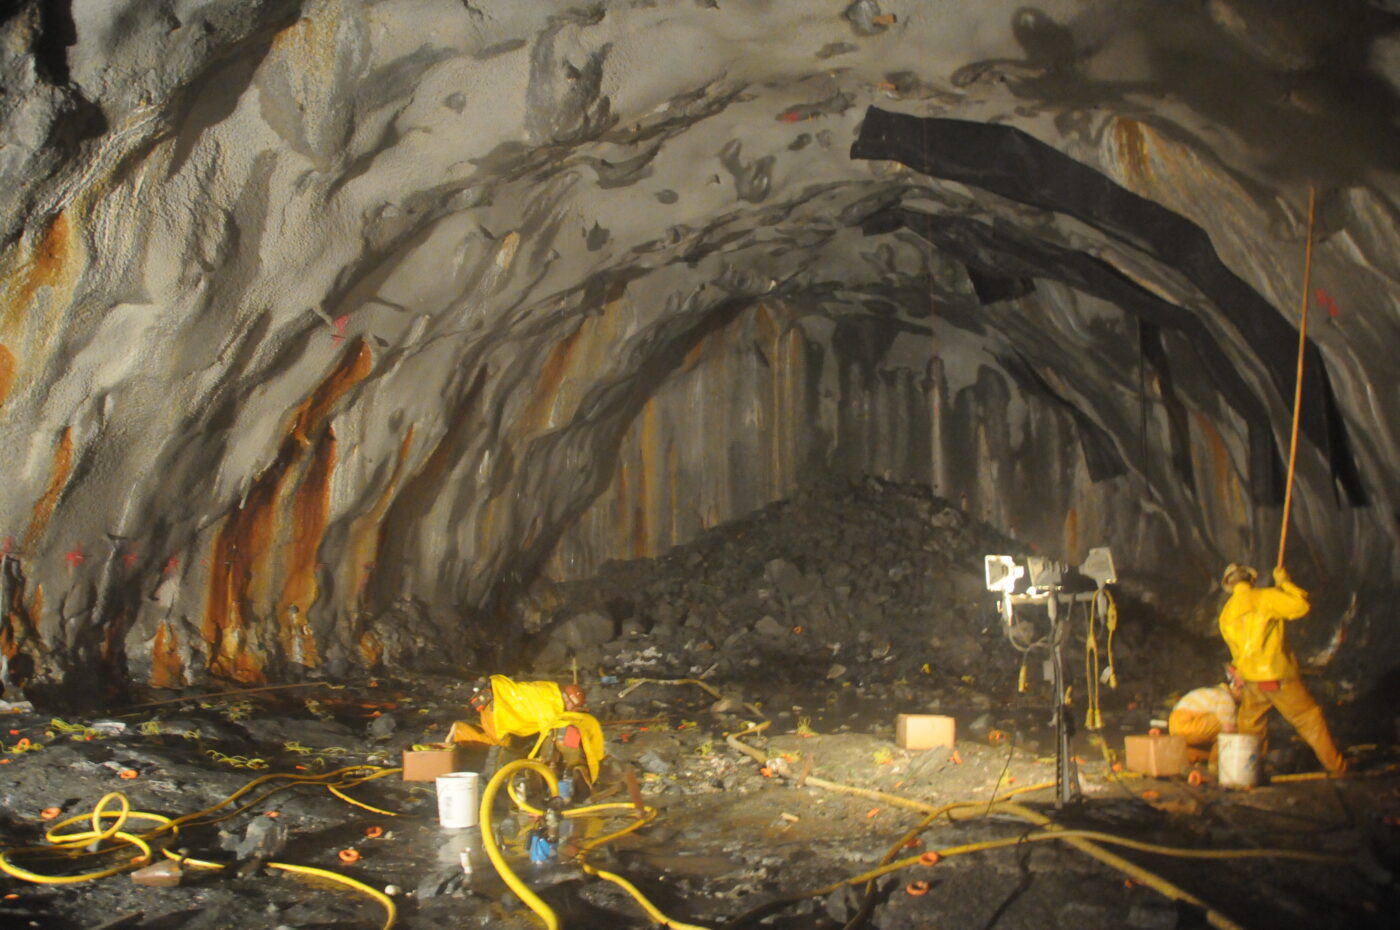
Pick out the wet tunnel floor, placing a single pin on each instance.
(726, 839)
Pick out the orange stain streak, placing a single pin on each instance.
(167, 670)
(7, 372)
(695, 354)
(311, 507)
(1072, 533)
(1130, 141)
(58, 478)
(354, 367)
(551, 378)
(244, 556)
(43, 269)
(646, 502)
(673, 485)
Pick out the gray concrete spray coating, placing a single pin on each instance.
(542, 244)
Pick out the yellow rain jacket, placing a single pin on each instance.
(536, 708)
(1252, 624)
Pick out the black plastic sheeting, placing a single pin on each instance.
(1008, 162)
(1003, 248)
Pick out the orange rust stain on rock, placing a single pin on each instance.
(1219, 455)
(551, 377)
(44, 268)
(622, 504)
(673, 469)
(694, 354)
(167, 669)
(354, 367)
(243, 553)
(372, 649)
(301, 36)
(7, 372)
(1130, 142)
(310, 511)
(1072, 533)
(768, 326)
(246, 535)
(648, 480)
(58, 479)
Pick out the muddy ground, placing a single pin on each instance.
(826, 616)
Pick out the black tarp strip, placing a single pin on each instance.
(1015, 165)
(1003, 249)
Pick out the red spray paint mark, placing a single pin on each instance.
(75, 557)
(340, 323)
(1325, 299)
(8, 546)
(171, 564)
(792, 116)
(129, 557)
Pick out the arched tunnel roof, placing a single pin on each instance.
(320, 311)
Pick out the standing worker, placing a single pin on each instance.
(1252, 624)
(1203, 714)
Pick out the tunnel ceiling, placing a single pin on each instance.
(332, 327)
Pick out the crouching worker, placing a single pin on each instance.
(1203, 714)
(565, 736)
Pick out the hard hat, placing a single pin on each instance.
(1235, 572)
(573, 697)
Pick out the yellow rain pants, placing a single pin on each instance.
(1297, 706)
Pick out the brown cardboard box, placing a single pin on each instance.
(428, 764)
(1160, 755)
(923, 731)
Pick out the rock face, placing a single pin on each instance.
(327, 327)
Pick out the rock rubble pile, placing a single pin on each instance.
(837, 582)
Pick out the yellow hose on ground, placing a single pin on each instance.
(87, 842)
(1074, 838)
(391, 914)
(513, 881)
(493, 851)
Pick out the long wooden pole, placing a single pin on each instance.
(1298, 387)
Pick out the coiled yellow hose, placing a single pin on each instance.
(76, 844)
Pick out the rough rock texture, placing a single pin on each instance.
(327, 326)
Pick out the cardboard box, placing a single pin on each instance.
(1160, 755)
(428, 764)
(924, 731)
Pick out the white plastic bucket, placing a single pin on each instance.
(1239, 760)
(458, 796)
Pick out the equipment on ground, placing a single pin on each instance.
(1058, 587)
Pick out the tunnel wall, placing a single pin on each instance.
(322, 323)
(779, 399)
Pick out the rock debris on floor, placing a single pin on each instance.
(827, 616)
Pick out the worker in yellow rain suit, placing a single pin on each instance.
(1203, 714)
(538, 709)
(1252, 624)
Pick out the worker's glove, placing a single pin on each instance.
(1280, 575)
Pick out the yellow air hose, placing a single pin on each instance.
(72, 845)
(513, 881)
(1085, 841)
